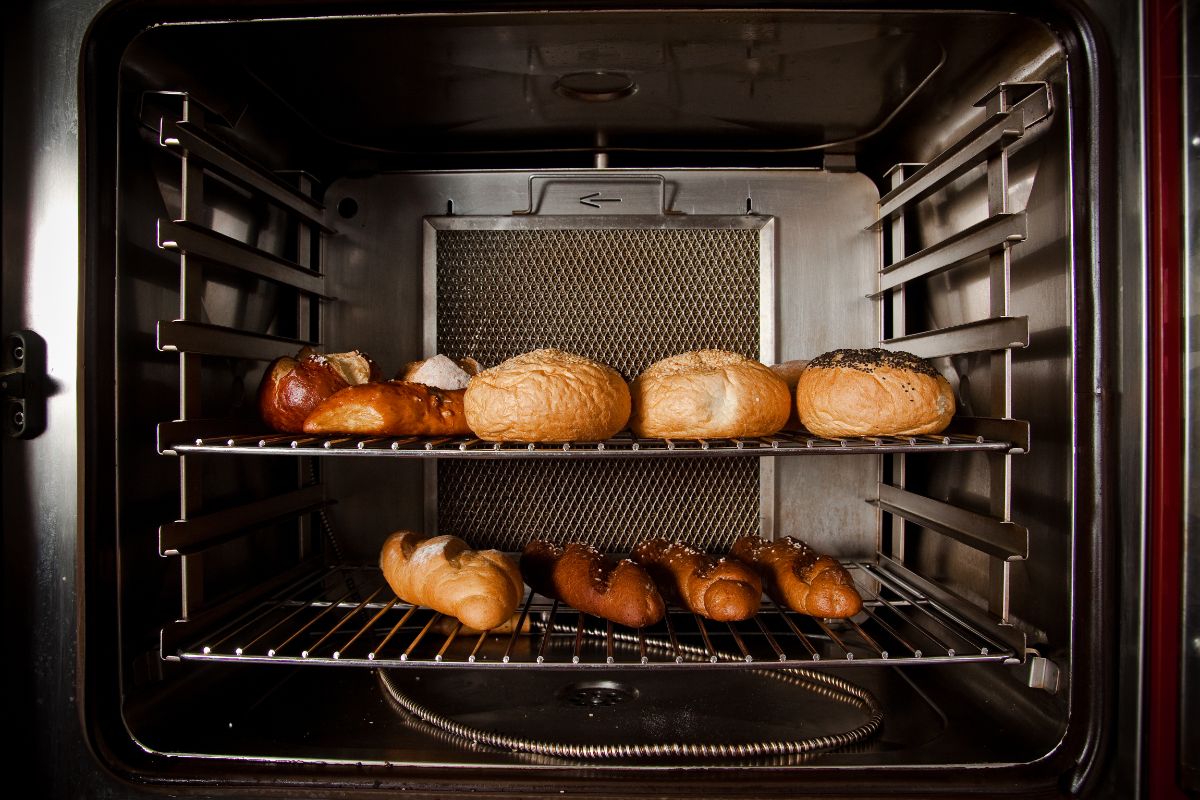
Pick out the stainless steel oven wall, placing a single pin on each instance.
(1033, 596)
(43, 278)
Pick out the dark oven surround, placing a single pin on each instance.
(102, 543)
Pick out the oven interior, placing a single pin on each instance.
(627, 185)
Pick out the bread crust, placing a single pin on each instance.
(292, 387)
(391, 408)
(848, 393)
(720, 589)
(547, 396)
(480, 588)
(592, 582)
(798, 577)
(709, 394)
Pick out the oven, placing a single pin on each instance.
(192, 190)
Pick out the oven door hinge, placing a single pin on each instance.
(22, 383)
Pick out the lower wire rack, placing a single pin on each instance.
(347, 616)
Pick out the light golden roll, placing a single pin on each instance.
(846, 393)
(481, 588)
(547, 396)
(709, 394)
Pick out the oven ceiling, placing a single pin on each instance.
(476, 82)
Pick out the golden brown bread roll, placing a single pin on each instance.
(800, 578)
(440, 372)
(708, 394)
(392, 408)
(873, 392)
(292, 387)
(481, 588)
(718, 588)
(547, 396)
(586, 579)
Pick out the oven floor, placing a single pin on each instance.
(333, 715)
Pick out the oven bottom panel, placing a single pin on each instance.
(930, 716)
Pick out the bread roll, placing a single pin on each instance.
(708, 394)
(717, 588)
(392, 408)
(586, 579)
(547, 396)
(292, 387)
(440, 372)
(875, 392)
(481, 588)
(800, 578)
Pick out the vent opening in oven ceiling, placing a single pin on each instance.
(626, 294)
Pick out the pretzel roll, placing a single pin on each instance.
(547, 396)
(586, 579)
(874, 392)
(708, 394)
(800, 578)
(292, 387)
(721, 589)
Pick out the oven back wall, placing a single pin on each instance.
(815, 299)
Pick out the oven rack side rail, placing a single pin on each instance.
(967, 434)
(348, 617)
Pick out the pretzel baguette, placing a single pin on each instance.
(799, 577)
(481, 588)
(722, 589)
(391, 408)
(583, 577)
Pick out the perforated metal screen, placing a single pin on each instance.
(625, 296)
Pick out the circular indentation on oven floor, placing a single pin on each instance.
(598, 86)
(597, 694)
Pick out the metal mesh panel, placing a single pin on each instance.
(612, 504)
(627, 298)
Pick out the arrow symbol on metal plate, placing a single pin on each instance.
(594, 200)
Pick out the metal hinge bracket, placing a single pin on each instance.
(22, 384)
(1042, 673)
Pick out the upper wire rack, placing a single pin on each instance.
(623, 445)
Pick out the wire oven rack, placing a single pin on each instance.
(174, 438)
(347, 616)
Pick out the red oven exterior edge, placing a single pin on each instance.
(1164, 86)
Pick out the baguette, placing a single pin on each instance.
(480, 588)
(721, 589)
(800, 578)
(583, 577)
(392, 408)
